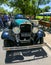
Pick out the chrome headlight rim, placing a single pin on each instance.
(16, 30)
(35, 30)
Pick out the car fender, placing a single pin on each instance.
(6, 35)
(40, 34)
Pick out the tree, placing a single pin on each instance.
(3, 2)
(46, 9)
(16, 11)
(37, 3)
(30, 7)
(2, 10)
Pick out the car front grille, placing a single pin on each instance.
(25, 28)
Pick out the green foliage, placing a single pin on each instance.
(3, 2)
(27, 7)
(45, 9)
(46, 18)
(16, 11)
(3, 11)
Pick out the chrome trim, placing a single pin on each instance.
(23, 47)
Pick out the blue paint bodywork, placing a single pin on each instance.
(19, 16)
(5, 35)
(40, 33)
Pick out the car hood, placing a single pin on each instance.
(21, 21)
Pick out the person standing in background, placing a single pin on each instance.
(1, 21)
(5, 20)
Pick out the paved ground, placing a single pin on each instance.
(40, 56)
(48, 39)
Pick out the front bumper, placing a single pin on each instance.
(23, 47)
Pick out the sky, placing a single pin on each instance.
(7, 8)
(10, 9)
(49, 4)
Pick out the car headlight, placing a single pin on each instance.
(16, 30)
(35, 30)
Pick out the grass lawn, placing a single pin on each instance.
(46, 18)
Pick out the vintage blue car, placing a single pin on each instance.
(22, 34)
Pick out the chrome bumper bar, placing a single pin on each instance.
(23, 47)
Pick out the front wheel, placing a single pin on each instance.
(8, 43)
